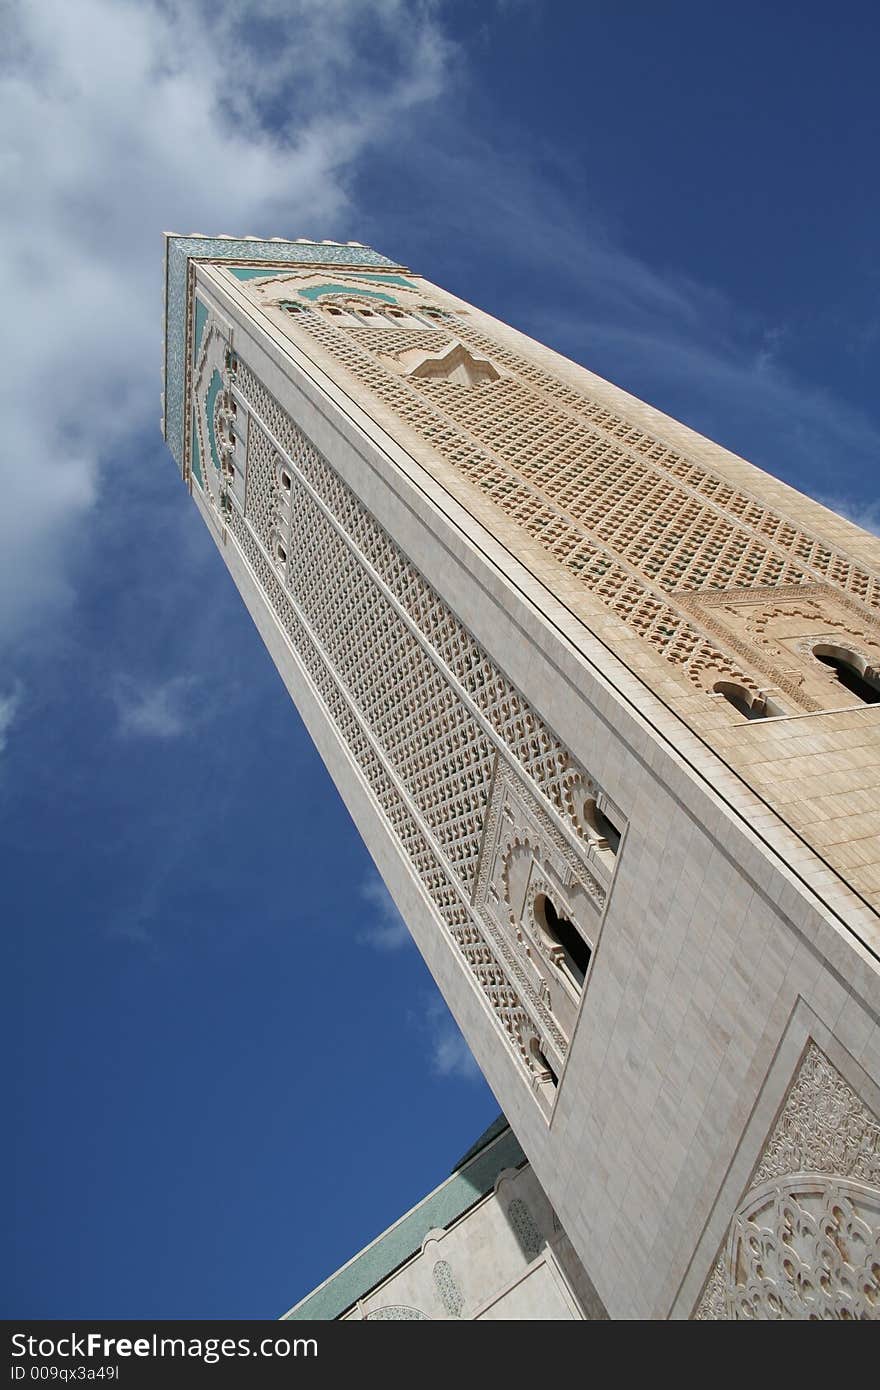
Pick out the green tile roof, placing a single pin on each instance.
(472, 1179)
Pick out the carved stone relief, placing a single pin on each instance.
(775, 631)
(524, 860)
(528, 1236)
(428, 718)
(643, 527)
(804, 1241)
(448, 1291)
(397, 1312)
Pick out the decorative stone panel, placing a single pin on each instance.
(397, 1312)
(641, 525)
(429, 720)
(448, 1292)
(775, 631)
(528, 1236)
(804, 1241)
(523, 856)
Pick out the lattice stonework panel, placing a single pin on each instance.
(482, 457)
(424, 712)
(635, 521)
(804, 1243)
(793, 546)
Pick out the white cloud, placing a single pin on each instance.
(450, 1055)
(9, 707)
(160, 711)
(122, 119)
(385, 929)
(864, 514)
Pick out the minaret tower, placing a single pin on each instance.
(602, 699)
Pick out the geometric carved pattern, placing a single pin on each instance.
(635, 521)
(791, 543)
(543, 516)
(397, 1312)
(806, 1247)
(449, 1293)
(803, 1241)
(521, 847)
(423, 710)
(527, 1234)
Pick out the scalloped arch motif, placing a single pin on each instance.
(397, 1312)
(807, 1247)
(804, 1242)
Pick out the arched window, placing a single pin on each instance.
(540, 1064)
(599, 823)
(746, 702)
(851, 670)
(563, 938)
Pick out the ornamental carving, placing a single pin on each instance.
(642, 526)
(528, 1236)
(428, 719)
(397, 1312)
(805, 1247)
(804, 1241)
(448, 1291)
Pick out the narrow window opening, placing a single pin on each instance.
(597, 820)
(747, 704)
(560, 932)
(849, 670)
(540, 1062)
(280, 553)
(285, 481)
(608, 831)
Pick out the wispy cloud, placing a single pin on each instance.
(9, 707)
(384, 929)
(572, 279)
(864, 514)
(162, 711)
(449, 1054)
(122, 118)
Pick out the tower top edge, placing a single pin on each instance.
(260, 241)
(273, 252)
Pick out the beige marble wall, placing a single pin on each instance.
(726, 944)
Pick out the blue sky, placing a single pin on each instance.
(228, 1068)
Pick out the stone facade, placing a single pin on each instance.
(485, 1246)
(601, 699)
